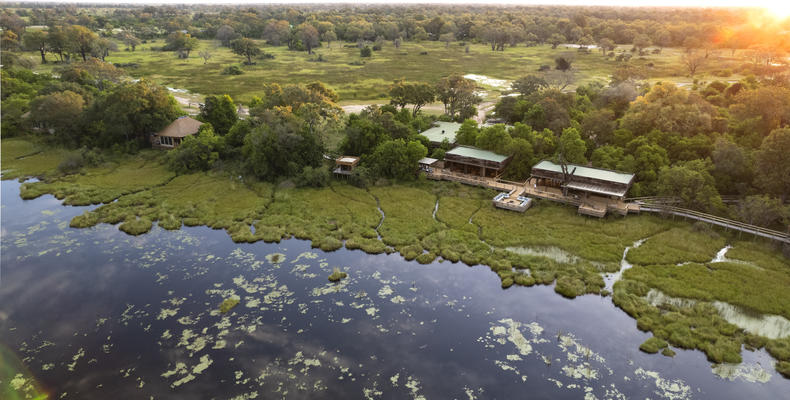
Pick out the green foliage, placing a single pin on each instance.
(197, 152)
(398, 158)
(129, 112)
(245, 47)
(572, 147)
(220, 112)
(315, 177)
(365, 52)
(692, 183)
(232, 70)
(467, 133)
(772, 163)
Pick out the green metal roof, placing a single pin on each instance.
(587, 172)
(435, 134)
(474, 152)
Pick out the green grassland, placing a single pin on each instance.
(370, 80)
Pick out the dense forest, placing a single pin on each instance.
(699, 142)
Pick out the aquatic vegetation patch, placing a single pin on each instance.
(337, 275)
(653, 345)
(228, 304)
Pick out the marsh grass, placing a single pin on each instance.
(106, 183)
(677, 245)
(24, 158)
(653, 345)
(547, 224)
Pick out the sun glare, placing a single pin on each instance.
(779, 10)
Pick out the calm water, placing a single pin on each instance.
(96, 314)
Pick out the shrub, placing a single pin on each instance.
(314, 177)
(232, 70)
(365, 52)
(337, 275)
(71, 163)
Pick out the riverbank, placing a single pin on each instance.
(445, 221)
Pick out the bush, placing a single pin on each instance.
(232, 70)
(360, 177)
(365, 52)
(72, 163)
(315, 177)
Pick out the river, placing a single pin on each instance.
(95, 314)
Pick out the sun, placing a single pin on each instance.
(779, 10)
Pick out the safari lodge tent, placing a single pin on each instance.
(172, 136)
(345, 165)
(473, 161)
(582, 180)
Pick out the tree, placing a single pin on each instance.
(598, 126)
(277, 32)
(456, 93)
(398, 158)
(37, 41)
(692, 183)
(572, 147)
(129, 40)
(527, 85)
(329, 37)
(226, 34)
(733, 167)
(82, 40)
(606, 44)
(129, 112)
(447, 38)
(365, 52)
(205, 55)
(309, 37)
(246, 48)
(522, 159)
(669, 109)
(197, 152)
(641, 42)
(555, 40)
(59, 111)
(467, 133)
(102, 48)
(494, 138)
(220, 112)
(772, 163)
(693, 60)
(762, 210)
(416, 93)
(180, 42)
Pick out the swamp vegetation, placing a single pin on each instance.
(676, 257)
